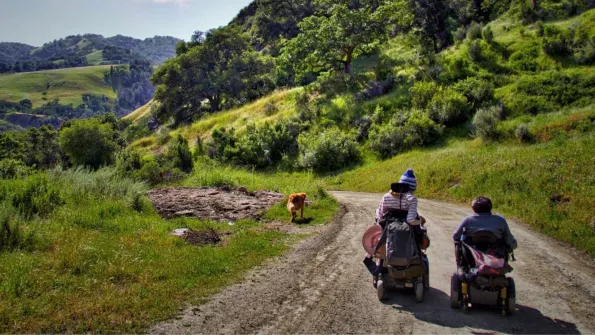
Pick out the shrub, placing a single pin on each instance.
(477, 91)
(448, 107)
(12, 168)
(12, 234)
(163, 136)
(129, 161)
(327, 151)
(36, 195)
(557, 42)
(270, 109)
(422, 93)
(488, 34)
(150, 173)
(485, 122)
(89, 143)
(539, 28)
(522, 133)
(459, 35)
(180, 155)
(549, 91)
(474, 50)
(474, 31)
(403, 133)
(525, 59)
(199, 150)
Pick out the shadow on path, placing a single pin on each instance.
(436, 310)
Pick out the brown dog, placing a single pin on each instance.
(296, 202)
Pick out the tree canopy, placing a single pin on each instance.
(341, 31)
(221, 71)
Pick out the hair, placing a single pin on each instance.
(482, 205)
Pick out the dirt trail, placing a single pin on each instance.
(322, 287)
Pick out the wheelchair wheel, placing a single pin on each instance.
(455, 286)
(511, 299)
(380, 290)
(419, 291)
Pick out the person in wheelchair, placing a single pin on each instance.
(484, 230)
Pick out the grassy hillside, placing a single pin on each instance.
(65, 84)
(548, 185)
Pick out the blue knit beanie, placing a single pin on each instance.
(409, 178)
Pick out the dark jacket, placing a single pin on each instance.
(493, 223)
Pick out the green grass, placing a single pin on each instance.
(238, 118)
(65, 84)
(524, 181)
(140, 113)
(95, 58)
(112, 267)
(322, 209)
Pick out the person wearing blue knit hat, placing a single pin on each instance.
(400, 198)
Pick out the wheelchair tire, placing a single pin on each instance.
(511, 299)
(380, 291)
(455, 289)
(419, 291)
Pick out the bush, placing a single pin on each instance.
(474, 31)
(163, 136)
(180, 156)
(327, 151)
(89, 143)
(129, 161)
(448, 107)
(474, 50)
(12, 168)
(523, 134)
(403, 133)
(36, 195)
(478, 92)
(12, 234)
(525, 59)
(488, 34)
(485, 122)
(150, 173)
(459, 35)
(270, 109)
(557, 42)
(550, 91)
(422, 93)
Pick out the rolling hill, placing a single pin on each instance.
(68, 85)
(82, 50)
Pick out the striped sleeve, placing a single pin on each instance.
(412, 210)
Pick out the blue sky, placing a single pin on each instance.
(38, 21)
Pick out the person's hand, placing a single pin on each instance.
(423, 221)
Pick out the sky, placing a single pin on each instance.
(35, 22)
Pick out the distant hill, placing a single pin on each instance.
(83, 50)
(68, 85)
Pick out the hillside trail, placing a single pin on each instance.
(322, 287)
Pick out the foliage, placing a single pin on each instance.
(340, 32)
(448, 107)
(12, 168)
(485, 122)
(36, 195)
(224, 79)
(89, 143)
(180, 155)
(549, 91)
(402, 133)
(132, 85)
(328, 150)
(474, 31)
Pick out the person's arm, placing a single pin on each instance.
(456, 235)
(380, 210)
(508, 237)
(412, 217)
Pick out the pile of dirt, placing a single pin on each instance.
(218, 204)
(199, 238)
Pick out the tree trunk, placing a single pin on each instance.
(215, 103)
(347, 63)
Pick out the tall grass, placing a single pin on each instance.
(103, 261)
